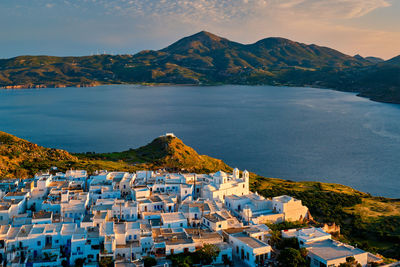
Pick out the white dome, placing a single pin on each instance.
(220, 174)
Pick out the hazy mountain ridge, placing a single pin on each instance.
(205, 58)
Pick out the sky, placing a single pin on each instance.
(85, 27)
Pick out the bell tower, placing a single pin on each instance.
(235, 173)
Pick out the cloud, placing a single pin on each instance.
(223, 10)
(139, 24)
(335, 8)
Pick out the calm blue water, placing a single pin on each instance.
(291, 133)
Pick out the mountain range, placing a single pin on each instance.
(206, 59)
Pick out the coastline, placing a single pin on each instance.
(146, 84)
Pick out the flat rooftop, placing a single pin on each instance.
(250, 241)
(12, 194)
(331, 249)
(172, 217)
(41, 215)
(214, 217)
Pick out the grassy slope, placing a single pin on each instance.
(204, 58)
(371, 222)
(22, 159)
(164, 152)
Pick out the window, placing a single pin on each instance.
(39, 243)
(181, 224)
(219, 226)
(78, 248)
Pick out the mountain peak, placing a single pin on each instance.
(199, 42)
(170, 151)
(274, 41)
(358, 56)
(394, 61)
(206, 34)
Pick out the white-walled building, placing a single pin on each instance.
(331, 253)
(249, 249)
(222, 185)
(65, 217)
(306, 236)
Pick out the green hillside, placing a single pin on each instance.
(22, 159)
(205, 58)
(371, 223)
(164, 152)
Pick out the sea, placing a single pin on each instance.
(299, 134)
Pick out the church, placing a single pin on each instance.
(222, 184)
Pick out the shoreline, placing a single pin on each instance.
(145, 84)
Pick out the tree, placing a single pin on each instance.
(79, 262)
(208, 253)
(291, 257)
(149, 261)
(288, 243)
(106, 262)
(276, 237)
(350, 262)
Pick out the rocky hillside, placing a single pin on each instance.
(165, 152)
(20, 158)
(204, 58)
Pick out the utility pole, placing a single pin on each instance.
(120, 211)
(194, 186)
